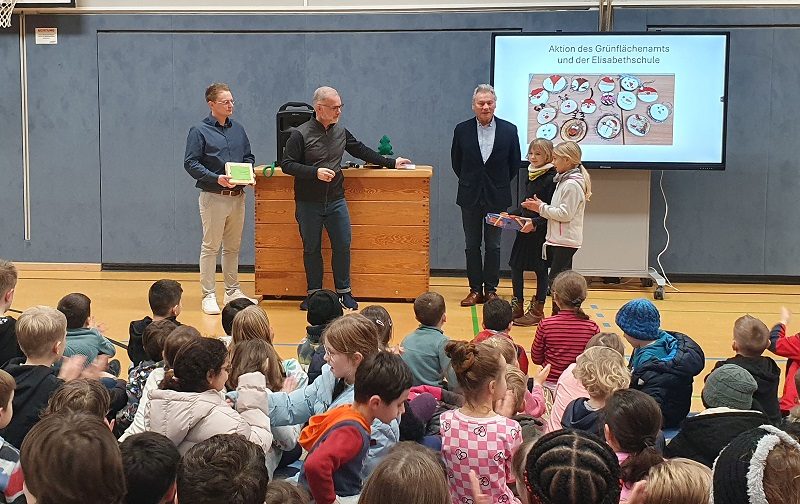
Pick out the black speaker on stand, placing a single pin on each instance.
(290, 115)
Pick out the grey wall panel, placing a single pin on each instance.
(136, 119)
(11, 202)
(264, 71)
(716, 219)
(710, 17)
(781, 136)
(64, 142)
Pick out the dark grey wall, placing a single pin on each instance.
(110, 106)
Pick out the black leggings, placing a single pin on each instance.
(518, 283)
(560, 260)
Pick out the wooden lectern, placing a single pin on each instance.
(390, 216)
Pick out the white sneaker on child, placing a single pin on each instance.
(210, 306)
(237, 294)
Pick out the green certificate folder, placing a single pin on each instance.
(240, 173)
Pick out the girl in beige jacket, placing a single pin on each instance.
(565, 212)
(189, 406)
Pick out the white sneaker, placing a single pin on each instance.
(237, 294)
(210, 306)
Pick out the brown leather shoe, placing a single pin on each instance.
(516, 308)
(533, 316)
(489, 296)
(472, 299)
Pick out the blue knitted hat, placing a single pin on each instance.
(639, 319)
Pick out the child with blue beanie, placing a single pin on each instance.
(664, 363)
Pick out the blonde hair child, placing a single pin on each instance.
(565, 212)
(569, 388)
(601, 371)
(676, 481)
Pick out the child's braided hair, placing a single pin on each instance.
(572, 467)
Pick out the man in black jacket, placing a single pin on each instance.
(486, 157)
(313, 155)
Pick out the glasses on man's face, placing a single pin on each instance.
(334, 107)
(227, 102)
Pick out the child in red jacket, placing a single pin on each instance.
(789, 347)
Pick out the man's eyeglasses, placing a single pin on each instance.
(226, 102)
(334, 107)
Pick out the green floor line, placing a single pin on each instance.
(476, 328)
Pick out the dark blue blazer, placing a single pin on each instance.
(485, 184)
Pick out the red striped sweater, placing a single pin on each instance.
(559, 340)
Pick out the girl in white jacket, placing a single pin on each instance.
(565, 213)
(189, 406)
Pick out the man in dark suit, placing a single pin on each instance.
(486, 157)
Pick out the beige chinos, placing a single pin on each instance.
(223, 221)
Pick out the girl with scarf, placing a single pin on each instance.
(564, 214)
(526, 255)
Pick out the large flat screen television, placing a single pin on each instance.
(654, 100)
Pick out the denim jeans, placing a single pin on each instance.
(483, 273)
(334, 216)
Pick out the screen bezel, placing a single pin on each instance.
(643, 165)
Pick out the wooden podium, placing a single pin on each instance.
(390, 250)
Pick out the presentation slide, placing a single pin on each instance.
(633, 101)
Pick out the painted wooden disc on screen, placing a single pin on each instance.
(588, 106)
(606, 84)
(547, 131)
(609, 126)
(569, 106)
(629, 82)
(555, 83)
(626, 100)
(638, 124)
(580, 85)
(573, 130)
(647, 94)
(546, 115)
(539, 96)
(659, 112)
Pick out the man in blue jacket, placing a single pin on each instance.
(215, 141)
(486, 157)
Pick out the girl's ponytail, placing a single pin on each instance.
(587, 182)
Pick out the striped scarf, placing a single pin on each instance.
(534, 173)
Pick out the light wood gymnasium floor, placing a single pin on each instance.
(704, 311)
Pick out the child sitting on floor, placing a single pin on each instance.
(728, 398)
(474, 437)
(339, 439)
(497, 322)
(83, 338)
(632, 429)
(750, 339)
(424, 348)
(789, 347)
(164, 297)
(664, 363)
(562, 337)
(601, 371)
(569, 388)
